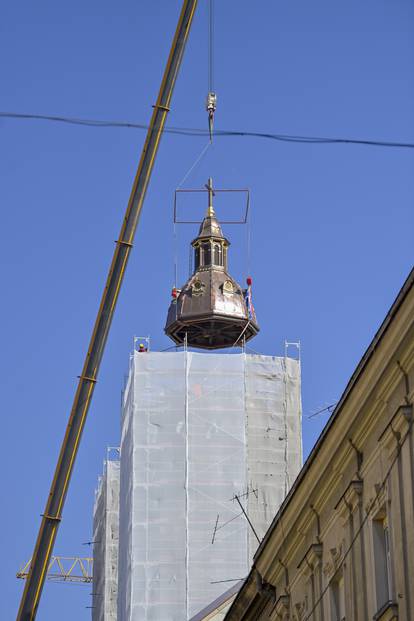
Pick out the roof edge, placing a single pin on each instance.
(405, 289)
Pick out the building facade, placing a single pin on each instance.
(341, 547)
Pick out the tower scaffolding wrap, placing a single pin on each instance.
(198, 429)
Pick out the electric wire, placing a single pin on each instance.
(230, 520)
(366, 516)
(327, 408)
(187, 131)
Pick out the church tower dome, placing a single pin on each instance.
(211, 311)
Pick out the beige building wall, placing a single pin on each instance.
(342, 545)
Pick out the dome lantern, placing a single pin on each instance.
(211, 311)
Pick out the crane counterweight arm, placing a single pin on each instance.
(87, 380)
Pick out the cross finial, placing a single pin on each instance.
(210, 209)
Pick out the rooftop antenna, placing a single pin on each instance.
(247, 517)
(246, 494)
(215, 528)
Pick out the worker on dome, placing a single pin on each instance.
(142, 349)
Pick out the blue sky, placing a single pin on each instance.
(332, 226)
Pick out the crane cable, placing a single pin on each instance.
(210, 45)
(211, 101)
(211, 96)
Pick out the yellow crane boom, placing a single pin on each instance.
(74, 569)
(87, 380)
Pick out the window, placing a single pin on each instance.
(206, 253)
(197, 257)
(218, 255)
(382, 560)
(337, 593)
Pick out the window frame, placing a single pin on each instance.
(206, 253)
(382, 559)
(337, 601)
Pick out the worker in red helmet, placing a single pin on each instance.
(142, 349)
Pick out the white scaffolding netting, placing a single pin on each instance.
(105, 546)
(198, 429)
(274, 444)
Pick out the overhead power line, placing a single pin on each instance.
(379, 489)
(187, 131)
(327, 408)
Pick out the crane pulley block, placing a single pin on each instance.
(211, 103)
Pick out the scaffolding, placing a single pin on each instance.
(105, 543)
(198, 430)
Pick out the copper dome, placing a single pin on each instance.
(211, 310)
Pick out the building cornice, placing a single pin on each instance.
(311, 560)
(350, 500)
(362, 382)
(366, 393)
(396, 428)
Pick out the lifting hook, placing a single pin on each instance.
(211, 105)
